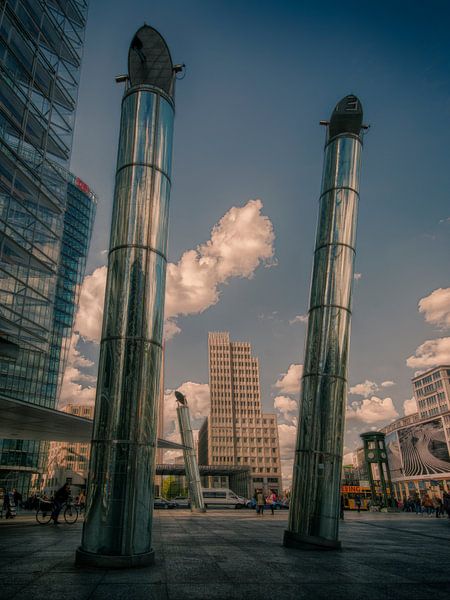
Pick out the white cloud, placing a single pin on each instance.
(436, 308)
(88, 322)
(289, 383)
(240, 242)
(77, 387)
(364, 389)
(287, 407)
(388, 383)
(410, 406)
(372, 410)
(287, 435)
(431, 354)
(357, 276)
(299, 319)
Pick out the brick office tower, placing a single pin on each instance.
(237, 432)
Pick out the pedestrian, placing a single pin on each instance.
(417, 505)
(260, 502)
(437, 502)
(61, 496)
(9, 506)
(17, 499)
(341, 512)
(271, 499)
(427, 504)
(446, 503)
(358, 503)
(82, 500)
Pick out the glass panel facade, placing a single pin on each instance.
(44, 230)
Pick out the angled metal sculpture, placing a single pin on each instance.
(117, 530)
(190, 457)
(315, 501)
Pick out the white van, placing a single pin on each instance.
(222, 497)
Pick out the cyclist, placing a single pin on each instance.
(61, 497)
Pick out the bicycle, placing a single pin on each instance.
(46, 508)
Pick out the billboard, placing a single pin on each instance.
(394, 456)
(423, 449)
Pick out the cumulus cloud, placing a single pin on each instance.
(287, 407)
(436, 308)
(364, 389)
(431, 354)
(410, 406)
(88, 322)
(372, 411)
(386, 384)
(287, 435)
(299, 319)
(77, 387)
(240, 242)
(289, 383)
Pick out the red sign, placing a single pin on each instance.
(82, 186)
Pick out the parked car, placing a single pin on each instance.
(182, 501)
(222, 497)
(160, 502)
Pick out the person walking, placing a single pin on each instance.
(61, 496)
(428, 505)
(437, 502)
(260, 502)
(271, 499)
(358, 503)
(446, 503)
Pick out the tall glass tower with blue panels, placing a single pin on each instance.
(41, 44)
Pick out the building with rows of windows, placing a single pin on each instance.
(46, 214)
(418, 445)
(237, 432)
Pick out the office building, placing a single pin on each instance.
(432, 391)
(418, 445)
(69, 461)
(237, 432)
(41, 258)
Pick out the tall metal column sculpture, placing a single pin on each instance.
(315, 502)
(190, 458)
(118, 528)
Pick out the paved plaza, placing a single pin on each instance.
(228, 554)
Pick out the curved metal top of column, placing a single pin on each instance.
(347, 117)
(149, 60)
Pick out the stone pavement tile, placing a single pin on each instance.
(380, 591)
(193, 570)
(125, 591)
(41, 591)
(153, 574)
(233, 591)
(81, 577)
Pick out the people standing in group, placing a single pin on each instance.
(437, 503)
(260, 502)
(427, 504)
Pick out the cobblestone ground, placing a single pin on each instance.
(227, 554)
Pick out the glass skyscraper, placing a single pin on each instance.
(46, 214)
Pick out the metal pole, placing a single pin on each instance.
(190, 458)
(315, 502)
(117, 530)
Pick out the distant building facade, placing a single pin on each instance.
(68, 461)
(237, 432)
(418, 445)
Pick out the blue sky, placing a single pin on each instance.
(260, 76)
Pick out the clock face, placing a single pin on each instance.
(383, 455)
(371, 455)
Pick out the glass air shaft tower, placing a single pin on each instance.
(118, 527)
(315, 503)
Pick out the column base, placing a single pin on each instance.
(309, 542)
(198, 510)
(111, 561)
